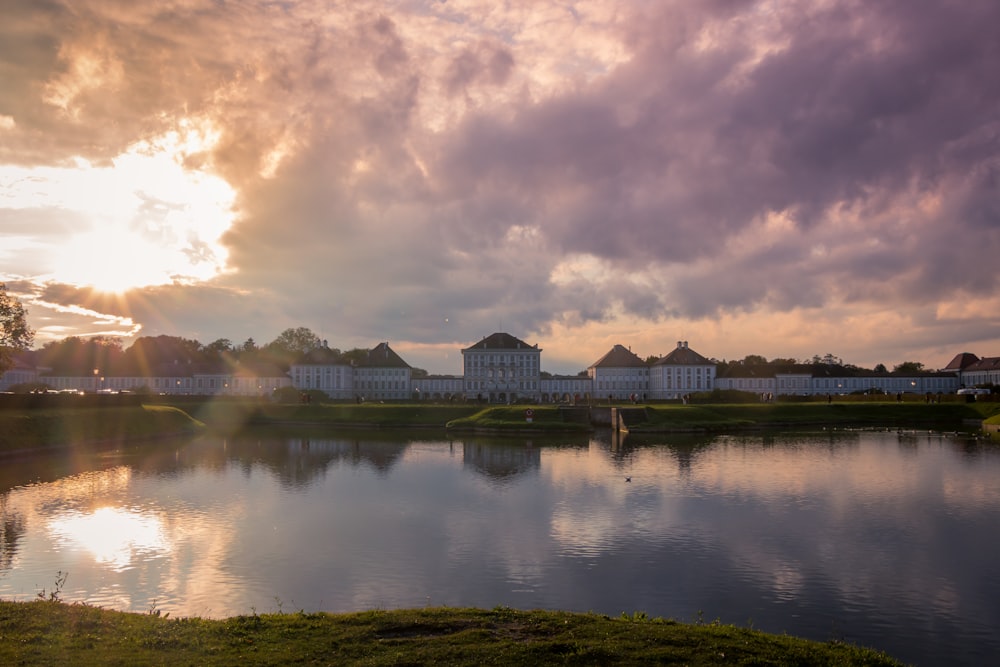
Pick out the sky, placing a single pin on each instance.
(784, 178)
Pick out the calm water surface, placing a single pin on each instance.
(887, 539)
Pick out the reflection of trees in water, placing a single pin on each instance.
(685, 448)
(11, 530)
(972, 448)
(296, 459)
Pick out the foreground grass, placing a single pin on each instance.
(47, 632)
(40, 429)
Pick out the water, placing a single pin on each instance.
(883, 539)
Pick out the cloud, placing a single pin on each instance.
(537, 167)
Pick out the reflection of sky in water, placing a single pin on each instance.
(870, 537)
(111, 535)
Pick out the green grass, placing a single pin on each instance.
(231, 416)
(42, 428)
(725, 417)
(847, 414)
(28, 429)
(48, 632)
(513, 417)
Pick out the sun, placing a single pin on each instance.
(145, 219)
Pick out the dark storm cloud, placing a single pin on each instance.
(864, 104)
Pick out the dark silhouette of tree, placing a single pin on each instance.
(295, 341)
(358, 355)
(290, 346)
(754, 360)
(15, 334)
(163, 355)
(82, 356)
(909, 367)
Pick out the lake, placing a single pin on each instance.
(882, 538)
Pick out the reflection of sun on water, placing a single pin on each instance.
(112, 535)
(154, 216)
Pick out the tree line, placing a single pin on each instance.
(150, 355)
(174, 355)
(828, 360)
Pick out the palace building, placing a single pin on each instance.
(502, 368)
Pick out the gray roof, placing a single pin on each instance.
(382, 356)
(501, 341)
(619, 357)
(683, 356)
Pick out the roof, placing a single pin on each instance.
(322, 356)
(619, 357)
(818, 370)
(985, 364)
(682, 355)
(501, 341)
(382, 356)
(961, 361)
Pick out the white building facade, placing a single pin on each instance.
(679, 373)
(502, 369)
(619, 375)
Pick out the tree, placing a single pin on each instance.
(356, 356)
(909, 367)
(81, 356)
(162, 354)
(754, 360)
(217, 347)
(295, 342)
(880, 368)
(15, 334)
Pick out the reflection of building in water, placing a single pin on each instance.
(298, 461)
(378, 454)
(500, 461)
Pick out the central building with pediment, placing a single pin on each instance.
(502, 369)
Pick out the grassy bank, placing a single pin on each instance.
(49, 632)
(39, 428)
(950, 416)
(513, 418)
(673, 418)
(42, 428)
(231, 416)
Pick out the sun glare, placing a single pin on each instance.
(111, 535)
(144, 220)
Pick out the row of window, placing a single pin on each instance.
(477, 385)
(516, 359)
